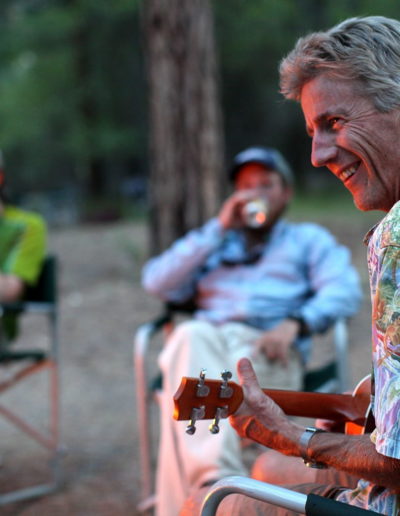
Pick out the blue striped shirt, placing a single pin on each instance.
(299, 270)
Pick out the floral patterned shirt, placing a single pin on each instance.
(384, 271)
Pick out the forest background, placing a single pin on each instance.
(74, 96)
(75, 130)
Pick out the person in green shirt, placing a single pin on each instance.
(23, 245)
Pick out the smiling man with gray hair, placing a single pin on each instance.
(347, 80)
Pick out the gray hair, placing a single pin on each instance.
(365, 50)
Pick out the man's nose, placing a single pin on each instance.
(323, 150)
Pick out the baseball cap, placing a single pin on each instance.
(267, 156)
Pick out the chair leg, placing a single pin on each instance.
(342, 358)
(49, 441)
(140, 347)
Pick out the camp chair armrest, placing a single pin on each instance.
(25, 354)
(27, 306)
(311, 505)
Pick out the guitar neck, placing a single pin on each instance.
(211, 395)
(335, 407)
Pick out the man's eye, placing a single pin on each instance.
(334, 122)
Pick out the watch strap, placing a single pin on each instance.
(304, 444)
(304, 330)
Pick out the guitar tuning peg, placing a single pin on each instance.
(202, 389)
(226, 375)
(214, 427)
(197, 413)
(226, 391)
(191, 428)
(220, 413)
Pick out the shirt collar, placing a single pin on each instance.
(389, 214)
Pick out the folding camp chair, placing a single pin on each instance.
(330, 377)
(41, 299)
(311, 505)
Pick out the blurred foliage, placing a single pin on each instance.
(253, 37)
(72, 91)
(73, 106)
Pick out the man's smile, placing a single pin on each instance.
(346, 173)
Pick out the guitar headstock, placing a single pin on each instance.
(198, 398)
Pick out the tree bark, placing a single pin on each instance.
(186, 149)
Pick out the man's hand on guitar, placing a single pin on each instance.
(203, 398)
(260, 418)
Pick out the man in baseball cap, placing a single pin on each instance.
(262, 286)
(271, 158)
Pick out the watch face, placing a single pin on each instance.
(315, 465)
(304, 443)
(304, 330)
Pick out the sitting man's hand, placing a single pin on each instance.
(231, 213)
(11, 288)
(276, 343)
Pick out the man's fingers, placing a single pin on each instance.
(249, 383)
(266, 346)
(246, 376)
(273, 350)
(257, 349)
(246, 372)
(283, 357)
(256, 401)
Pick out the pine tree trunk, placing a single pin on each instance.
(186, 156)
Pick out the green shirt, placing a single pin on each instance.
(22, 249)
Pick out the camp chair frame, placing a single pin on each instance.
(41, 299)
(331, 377)
(311, 505)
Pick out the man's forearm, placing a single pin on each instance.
(261, 419)
(176, 267)
(354, 454)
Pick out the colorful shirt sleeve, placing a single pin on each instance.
(386, 351)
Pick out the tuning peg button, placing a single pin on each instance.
(225, 391)
(214, 428)
(202, 389)
(226, 375)
(191, 428)
(220, 413)
(196, 414)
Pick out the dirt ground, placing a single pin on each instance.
(101, 305)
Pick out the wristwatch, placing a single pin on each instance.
(304, 443)
(304, 330)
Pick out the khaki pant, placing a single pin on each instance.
(186, 462)
(328, 483)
